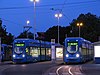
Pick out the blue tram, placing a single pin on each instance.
(77, 50)
(6, 52)
(29, 50)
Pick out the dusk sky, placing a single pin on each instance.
(15, 13)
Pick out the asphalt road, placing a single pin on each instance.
(88, 68)
(25, 69)
(48, 68)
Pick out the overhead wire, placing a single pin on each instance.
(10, 21)
(63, 8)
(63, 4)
(78, 3)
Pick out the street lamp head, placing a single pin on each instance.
(31, 0)
(81, 24)
(56, 15)
(34, 0)
(78, 24)
(60, 15)
(28, 22)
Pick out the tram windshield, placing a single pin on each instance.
(72, 47)
(18, 50)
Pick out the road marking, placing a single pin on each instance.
(69, 70)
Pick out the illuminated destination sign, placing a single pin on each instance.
(19, 44)
(69, 44)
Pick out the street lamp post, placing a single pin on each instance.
(34, 16)
(58, 17)
(79, 25)
(27, 28)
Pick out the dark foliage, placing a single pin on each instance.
(26, 34)
(90, 29)
(6, 38)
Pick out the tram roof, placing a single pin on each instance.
(77, 38)
(31, 40)
(3, 44)
(25, 40)
(96, 43)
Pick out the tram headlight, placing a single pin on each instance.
(67, 55)
(77, 55)
(14, 56)
(23, 55)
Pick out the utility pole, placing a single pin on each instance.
(27, 28)
(58, 15)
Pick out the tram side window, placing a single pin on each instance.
(34, 51)
(48, 51)
(87, 49)
(90, 49)
(27, 51)
(83, 49)
(42, 51)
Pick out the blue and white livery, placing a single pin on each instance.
(77, 50)
(29, 50)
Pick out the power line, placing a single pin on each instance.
(76, 3)
(10, 21)
(64, 4)
(66, 17)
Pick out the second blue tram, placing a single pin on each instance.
(77, 50)
(29, 50)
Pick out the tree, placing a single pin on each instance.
(6, 38)
(52, 33)
(90, 29)
(26, 35)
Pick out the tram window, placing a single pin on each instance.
(42, 51)
(72, 47)
(83, 45)
(34, 51)
(83, 51)
(27, 51)
(38, 51)
(48, 51)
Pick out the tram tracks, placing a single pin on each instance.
(65, 70)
